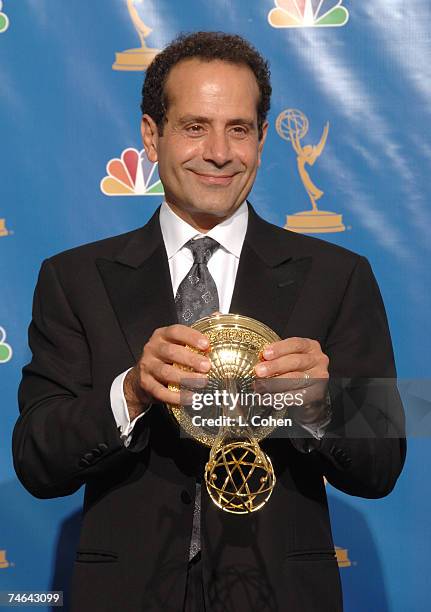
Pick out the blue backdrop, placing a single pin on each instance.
(72, 172)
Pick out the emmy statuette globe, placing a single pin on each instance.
(239, 476)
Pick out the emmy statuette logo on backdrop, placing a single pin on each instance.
(4, 19)
(342, 557)
(4, 563)
(342, 554)
(141, 57)
(308, 14)
(292, 126)
(132, 175)
(5, 348)
(3, 229)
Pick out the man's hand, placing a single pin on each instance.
(148, 380)
(303, 365)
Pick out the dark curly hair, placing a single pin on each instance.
(206, 46)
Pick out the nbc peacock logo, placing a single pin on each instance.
(4, 19)
(5, 348)
(133, 174)
(308, 14)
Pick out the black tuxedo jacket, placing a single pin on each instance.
(94, 309)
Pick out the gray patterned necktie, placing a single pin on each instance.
(197, 297)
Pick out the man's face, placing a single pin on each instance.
(210, 150)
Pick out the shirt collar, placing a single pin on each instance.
(230, 233)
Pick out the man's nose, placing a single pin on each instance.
(217, 148)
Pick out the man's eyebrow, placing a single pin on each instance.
(201, 119)
(193, 118)
(242, 121)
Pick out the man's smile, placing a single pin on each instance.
(214, 179)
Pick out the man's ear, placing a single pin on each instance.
(150, 137)
(262, 141)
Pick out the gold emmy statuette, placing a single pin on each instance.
(141, 57)
(342, 557)
(4, 563)
(238, 475)
(292, 125)
(3, 229)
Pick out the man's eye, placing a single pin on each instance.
(195, 129)
(239, 130)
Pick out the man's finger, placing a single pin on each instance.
(163, 395)
(289, 346)
(169, 374)
(297, 362)
(174, 353)
(181, 334)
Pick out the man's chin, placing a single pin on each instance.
(201, 207)
(215, 211)
(204, 216)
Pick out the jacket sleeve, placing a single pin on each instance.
(364, 448)
(66, 433)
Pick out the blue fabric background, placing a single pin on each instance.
(64, 113)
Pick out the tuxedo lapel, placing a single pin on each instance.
(138, 285)
(269, 276)
(138, 282)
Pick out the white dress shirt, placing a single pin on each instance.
(223, 267)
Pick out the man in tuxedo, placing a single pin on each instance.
(111, 318)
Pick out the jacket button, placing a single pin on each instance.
(344, 459)
(83, 463)
(89, 457)
(96, 452)
(185, 497)
(341, 456)
(103, 447)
